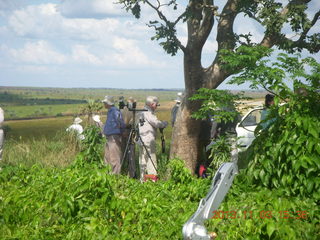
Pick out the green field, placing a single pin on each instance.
(21, 103)
(49, 127)
(16, 112)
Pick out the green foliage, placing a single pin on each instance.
(178, 172)
(220, 151)
(250, 214)
(165, 32)
(92, 106)
(286, 155)
(51, 203)
(269, 14)
(91, 145)
(219, 104)
(83, 202)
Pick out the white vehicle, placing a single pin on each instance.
(245, 128)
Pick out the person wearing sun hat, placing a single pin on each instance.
(113, 130)
(97, 121)
(175, 108)
(148, 125)
(77, 128)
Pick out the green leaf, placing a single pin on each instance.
(270, 228)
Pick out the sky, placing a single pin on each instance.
(92, 44)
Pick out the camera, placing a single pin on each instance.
(131, 105)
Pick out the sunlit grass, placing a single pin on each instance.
(58, 151)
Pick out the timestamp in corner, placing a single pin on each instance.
(260, 214)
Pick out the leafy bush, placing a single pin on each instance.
(91, 145)
(83, 202)
(287, 155)
(178, 172)
(219, 153)
(250, 214)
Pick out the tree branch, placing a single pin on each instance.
(225, 34)
(307, 29)
(166, 21)
(208, 20)
(275, 37)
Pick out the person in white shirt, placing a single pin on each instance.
(148, 129)
(77, 128)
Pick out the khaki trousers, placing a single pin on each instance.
(146, 166)
(112, 154)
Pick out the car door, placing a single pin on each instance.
(245, 128)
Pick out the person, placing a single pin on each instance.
(76, 128)
(175, 108)
(148, 124)
(268, 102)
(97, 122)
(113, 129)
(1, 132)
(128, 121)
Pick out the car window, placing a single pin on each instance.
(252, 119)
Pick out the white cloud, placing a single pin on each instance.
(45, 22)
(91, 9)
(127, 53)
(34, 21)
(81, 54)
(39, 52)
(10, 5)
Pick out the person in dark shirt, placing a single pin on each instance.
(113, 129)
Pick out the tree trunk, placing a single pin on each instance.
(190, 136)
(186, 141)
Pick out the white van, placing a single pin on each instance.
(245, 128)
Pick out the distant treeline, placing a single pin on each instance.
(14, 99)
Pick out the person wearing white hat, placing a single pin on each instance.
(113, 129)
(148, 130)
(97, 121)
(77, 128)
(1, 132)
(175, 108)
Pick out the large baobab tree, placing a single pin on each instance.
(286, 25)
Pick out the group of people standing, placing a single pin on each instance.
(116, 130)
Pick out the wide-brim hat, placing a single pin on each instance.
(179, 97)
(108, 100)
(96, 118)
(77, 120)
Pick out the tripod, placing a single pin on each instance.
(129, 152)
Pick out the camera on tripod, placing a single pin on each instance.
(131, 104)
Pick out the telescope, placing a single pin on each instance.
(131, 105)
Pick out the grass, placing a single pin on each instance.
(36, 128)
(58, 151)
(16, 112)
